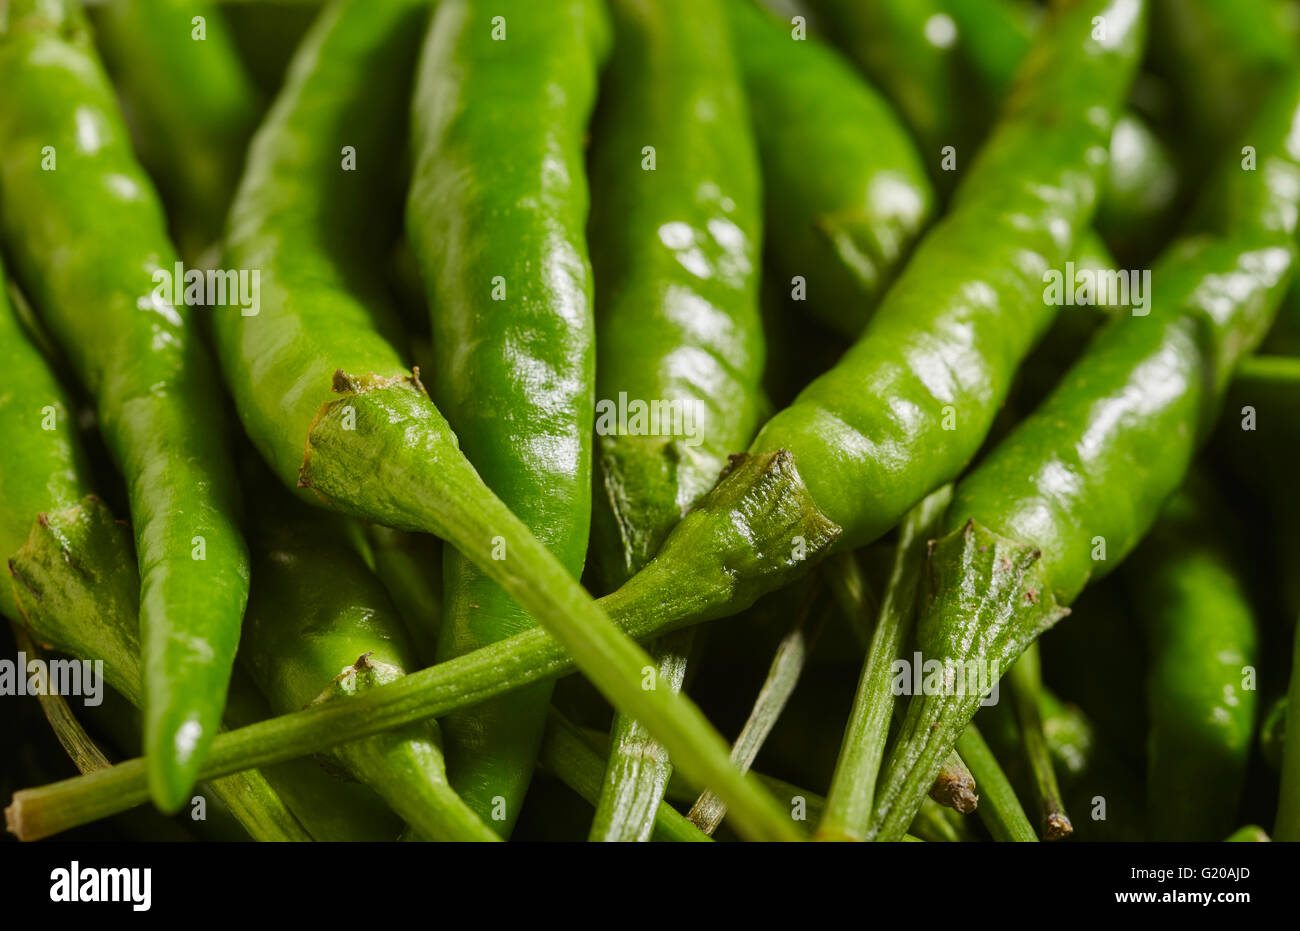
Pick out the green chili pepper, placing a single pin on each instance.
(1142, 179)
(498, 231)
(73, 585)
(380, 450)
(190, 104)
(907, 49)
(1250, 833)
(760, 525)
(45, 468)
(1084, 476)
(317, 614)
(941, 347)
(136, 350)
(675, 233)
(1201, 634)
(1222, 56)
(845, 195)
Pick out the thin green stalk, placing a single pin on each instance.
(849, 804)
(1026, 681)
(1269, 370)
(1000, 811)
(782, 677)
(84, 752)
(1287, 825)
(568, 755)
(361, 460)
(853, 592)
(639, 767)
(763, 495)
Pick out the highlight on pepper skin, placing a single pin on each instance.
(611, 420)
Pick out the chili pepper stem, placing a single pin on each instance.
(568, 755)
(782, 677)
(639, 768)
(977, 630)
(1025, 679)
(405, 766)
(853, 787)
(1001, 812)
(369, 453)
(761, 498)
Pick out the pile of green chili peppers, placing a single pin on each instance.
(395, 388)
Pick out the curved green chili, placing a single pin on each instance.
(1142, 179)
(907, 48)
(845, 195)
(136, 349)
(317, 614)
(1073, 489)
(498, 231)
(190, 104)
(675, 232)
(1201, 634)
(760, 525)
(380, 449)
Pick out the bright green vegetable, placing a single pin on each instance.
(189, 102)
(320, 628)
(999, 809)
(1085, 475)
(379, 449)
(760, 526)
(1142, 178)
(907, 48)
(845, 195)
(71, 581)
(1201, 633)
(139, 356)
(676, 256)
(498, 231)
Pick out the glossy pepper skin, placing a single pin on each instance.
(1201, 634)
(907, 49)
(190, 103)
(44, 469)
(908, 405)
(314, 370)
(312, 228)
(499, 231)
(1092, 466)
(676, 255)
(1142, 178)
(675, 248)
(320, 627)
(845, 195)
(139, 357)
(68, 573)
